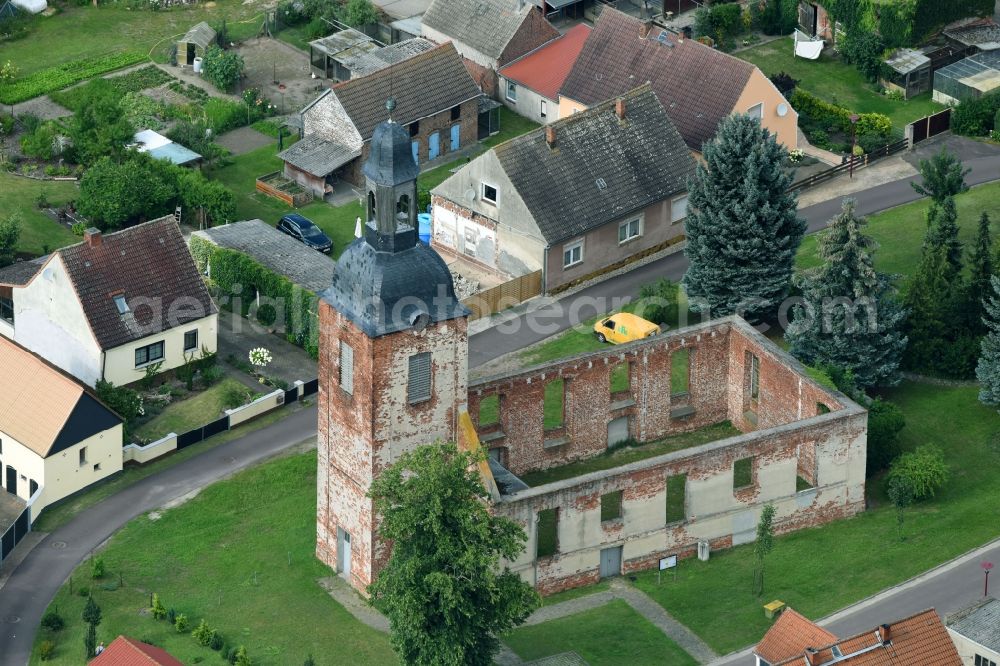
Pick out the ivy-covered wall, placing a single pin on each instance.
(236, 279)
(903, 22)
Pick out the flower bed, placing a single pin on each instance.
(57, 78)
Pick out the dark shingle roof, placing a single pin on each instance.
(148, 263)
(697, 85)
(485, 25)
(277, 251)
(19, 274)
(373, 61)
(318, 156)
(640, 160)
(422, 86)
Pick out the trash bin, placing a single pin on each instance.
(197, 65)
(424, 228)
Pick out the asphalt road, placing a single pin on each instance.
(36, 580)
(526, 329)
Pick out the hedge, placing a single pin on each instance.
(837, 116)
(237, 278)
(49, 80)
(976, 116)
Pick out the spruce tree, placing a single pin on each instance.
(988, 369)
(850, 318)
(942, 231)
(980, 272)
(931, 300)
(90, 641)
(742, 228)
(943, 177)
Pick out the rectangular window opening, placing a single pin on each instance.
(149, 354)
(456, 112)
(676, 489)
(346, 377)
(191, 340)
(511, 92)
(742, 473)
(680, 372)
(97, 467)
(754, 376)
(611, 506)
(554, 404)
(489, 193)
(821, 408)
(7, 310)
(418, 387)
(620, 380)
(489, 411)
(629, 230)
(547, 533)
(414, 128)
(544, 111)
(572, 254)
(678, 209)
(756, 111)
(121, 304)
(83, 456)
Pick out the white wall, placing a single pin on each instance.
(49, 320)
(968, 649)
(529, 103)
(119, 363)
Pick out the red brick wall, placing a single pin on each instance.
(534, 32)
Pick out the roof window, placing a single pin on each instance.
(120, 303)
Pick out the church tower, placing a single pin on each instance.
(393, 359)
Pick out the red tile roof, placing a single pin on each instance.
(544, 69)
(789, 636)
(128, 652)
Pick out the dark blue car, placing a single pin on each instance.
(304, 230)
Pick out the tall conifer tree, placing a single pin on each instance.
(980, 272)
(743, 229)
(988, 369)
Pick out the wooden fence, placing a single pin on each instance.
(859, 163)
(276, 185)
(505, 295)
(929, 126)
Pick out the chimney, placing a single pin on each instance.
(92, 237)
(812, 657)
(550, 136)
(620, 108)
(885, 633)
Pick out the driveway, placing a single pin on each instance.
(237, 336)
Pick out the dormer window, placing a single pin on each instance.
(121, 304)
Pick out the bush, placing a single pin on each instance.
(871, 142)
(885, 421)
(181, 623)
(171, 616)
(976, 117)
(157, 610)
(236, 395)
(317, 29)
(222, 68)
(659, 301)
(216, 643)
(864, 51)
(203, 634)
(52, 620)
(720, 22)
(784, 83)
(210, 376)
(40, 143)
(46, 650)
(831, 115)
(820, 139)
(84, 591)
(97, 568)
(922, 472)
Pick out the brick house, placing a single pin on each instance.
(697, 85)
(487, 33)
(436, 100)
(572, 199)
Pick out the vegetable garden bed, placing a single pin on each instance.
(278, 186)
(62, 76)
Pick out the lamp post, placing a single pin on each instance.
(854, 141)
(986, 585)
(281, 88)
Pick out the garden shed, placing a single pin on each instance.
(969, 78)
(193, 44)
(909, 72)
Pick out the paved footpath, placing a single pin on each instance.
(30, 588)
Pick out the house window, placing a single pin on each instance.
(121, 304)
(611, 506)
(346, 377)
(983, 661)
(418, 388)
(7, 310)
(544, 110)
(511, 92)
(629, 230)
(490, 194)
(149, 354)
(456, 112)
(414, 128)
(573, 254)
(83, 456)
(97, 467)
(678, 209)
(756, 111)
(191, 340)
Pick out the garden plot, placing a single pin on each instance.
(281, 73)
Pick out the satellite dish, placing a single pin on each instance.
(782, 110)
(470, 195)
(49, 275)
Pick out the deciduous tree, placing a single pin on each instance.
(447, 598)
(222, 68)
(762, 546)
(10, 233)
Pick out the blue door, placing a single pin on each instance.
(433, 146)
(416, 151)
(456, 137)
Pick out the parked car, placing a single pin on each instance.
(303, 229)
(624, 327)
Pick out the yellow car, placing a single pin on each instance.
(624, 327)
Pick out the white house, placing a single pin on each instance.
(975, 631)
(113, 306)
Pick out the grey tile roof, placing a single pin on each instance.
(372, 61)
(202, 34)
(422, 86)
(639, 161)
(20, 273)
(318, 156)
(697, 85)
(485, 25)
(340, 42)
(979, 622)
(281, 253)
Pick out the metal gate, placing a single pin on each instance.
(611, 562)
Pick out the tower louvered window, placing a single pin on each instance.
(418, 387)
(346, 368)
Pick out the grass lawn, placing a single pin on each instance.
(863, 554)
(39, 233)
(575, 593)
(241, 556)
(612, 634)
(900, 231)
(78, 30)
(836, 82)
(192, 412)
(627, 454)
(57, 515)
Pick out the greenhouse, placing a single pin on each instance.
(968, 78)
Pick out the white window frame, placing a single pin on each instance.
(482, 190)
(627, 224)
(674, 204)
(757, 114)
(345, 370)
(569, 248)
(511, 87)
(186, 334)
